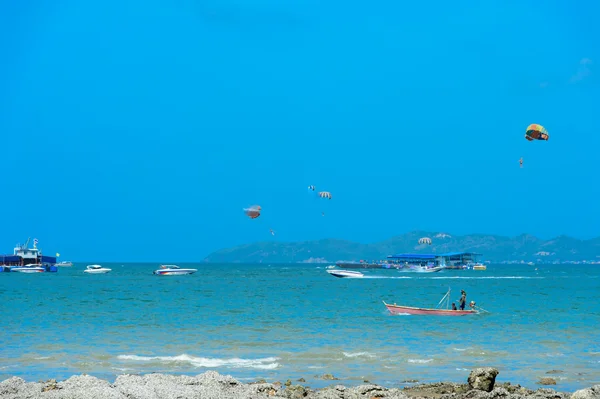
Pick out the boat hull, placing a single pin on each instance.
(174, 272)
(19, 269)
(396, 309)
(97, 271)
(363, 265)
(345, 274)
(428, 269)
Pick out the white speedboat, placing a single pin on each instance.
(425, 269)
(345, 273)
(35, 268)
(96, 269)
(65, 263)
(173, 270)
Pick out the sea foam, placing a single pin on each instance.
(268, 363)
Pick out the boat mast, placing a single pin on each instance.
(447, 298)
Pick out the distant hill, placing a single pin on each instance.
(494, 248)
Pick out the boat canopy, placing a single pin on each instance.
(412, 256)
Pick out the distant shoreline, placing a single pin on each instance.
(494, 248)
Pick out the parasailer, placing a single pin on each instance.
(521, 162)
(425, 240)
(325, 194)
(311, 188)
(536, 132)
(272, 232)
(253, 212)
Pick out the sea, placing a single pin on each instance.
(279, 322)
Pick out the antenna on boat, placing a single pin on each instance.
(446, 297)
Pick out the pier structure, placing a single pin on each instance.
(450, 260)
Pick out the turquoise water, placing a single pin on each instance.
(279, 322)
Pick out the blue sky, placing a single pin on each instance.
(138, 130)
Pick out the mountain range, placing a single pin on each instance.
(494, 248)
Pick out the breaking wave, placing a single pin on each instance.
(268, 363)
(359, 354)
(420, 361)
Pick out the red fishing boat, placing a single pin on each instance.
(437, 311)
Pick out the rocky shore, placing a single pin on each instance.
(481, 384)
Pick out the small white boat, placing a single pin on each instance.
(96, 269)
(65, 263)
(173, 270)
(35, 268)
(425, 269)
(345, 273)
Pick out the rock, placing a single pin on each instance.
(497, 393)
(135, 386)
(301, 380)
(370, 390)
(212, 385)
(50, 385)
(435, 390)
(86, 386)
(483, 379)
(514, 389)
(288, 383)
(296, 392)
(547, 381)
(11, 386)
(336, 392)
(266, 388)
(83, 381)
(410, 381)
(547, 393)
(554, 372)
(209, 385)
(587, 393)
(328, 377)
(155, 385)
(212, 377)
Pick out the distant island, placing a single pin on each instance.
(496, 249)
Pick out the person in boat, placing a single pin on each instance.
(463, 299)
(453, 306)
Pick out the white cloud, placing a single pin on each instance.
(583, 70)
